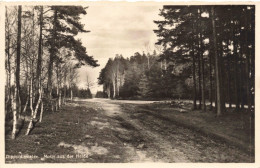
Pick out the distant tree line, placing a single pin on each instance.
(206, 53)
(42, 55)
(142, 76)
(76, 92)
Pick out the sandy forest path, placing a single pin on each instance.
(137, 148)
(153, 139)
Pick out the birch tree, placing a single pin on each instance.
(16, 97)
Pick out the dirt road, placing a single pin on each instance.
(136, 136)
(148, 138)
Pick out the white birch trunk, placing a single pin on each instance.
(59, 103)
(31, 98)
(118, 83)
(41, 114)
(114, 88)
(25, 106)
(33, 117)
(13, 97)
(19, 106)
(58, 94)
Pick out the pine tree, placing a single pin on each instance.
(62, 35)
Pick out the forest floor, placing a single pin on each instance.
(102, 130)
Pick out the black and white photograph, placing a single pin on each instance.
(129, 82)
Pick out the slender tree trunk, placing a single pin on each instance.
(39, 61)
(194, 82)
(58, 85)
(27, 89)
(42, 98)
(118, 84)
(41, 114)
(71, 94)
(59, 99)
(199, 74)
(14, 108)
(247, 73)
(229, 79)
(202, 65)
(34, 86)
(203, 85)
(65, 87)
(252, 67)
(242, 74)
(236, 75)
(28, 84)
(9, 82)
(241, 68)
(65, 93)
(220, 63)
(25, 106)
(114, 87)
(238, 72)
(117, 77)
(52, 55)
(15, 103)
(18, 59)
(217, 66)
(8, 86)
(210, 80)
(194, 74)
(8, 66)
(31, 97)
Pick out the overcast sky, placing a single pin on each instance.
(116, 30)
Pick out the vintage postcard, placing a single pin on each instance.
(129, 82)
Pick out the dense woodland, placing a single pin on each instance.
(42, 54)
(203, 53)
